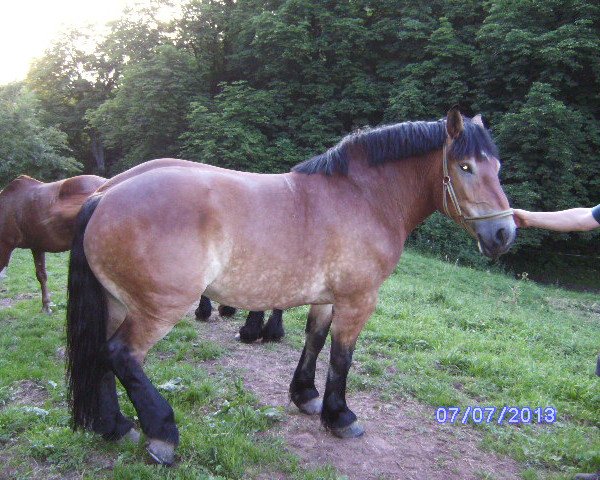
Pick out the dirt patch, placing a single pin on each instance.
(28, 393)
(6, 302)
(589, 309)
(9, 302)
(403, 441)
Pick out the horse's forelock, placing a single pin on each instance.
(473, 141)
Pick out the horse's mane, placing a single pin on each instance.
(395, 142)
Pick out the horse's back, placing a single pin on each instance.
(82, 185)
(153, 165)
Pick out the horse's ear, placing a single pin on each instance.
(478, 120)
(454, 123)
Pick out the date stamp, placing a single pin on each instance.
(501, 416)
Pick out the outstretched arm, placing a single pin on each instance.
(572, 220)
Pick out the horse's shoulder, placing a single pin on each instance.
(80, 185)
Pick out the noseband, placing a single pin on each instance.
(464, 220)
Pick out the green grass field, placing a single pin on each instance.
(443, 335)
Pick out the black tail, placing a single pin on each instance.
(86, 328)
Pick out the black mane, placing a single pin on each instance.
(402, 140)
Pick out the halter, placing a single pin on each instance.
(449, 192)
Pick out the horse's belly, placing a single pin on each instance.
(267, 290)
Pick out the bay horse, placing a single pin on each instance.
(145, 248)
(41, 217)
(254, 327)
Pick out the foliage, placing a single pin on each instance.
(27, 146)
(263, 85)
(238, 129)
(550, 152)
(145, 117)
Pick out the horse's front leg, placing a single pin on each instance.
(303, 392)
(349, 318)
(39, 258)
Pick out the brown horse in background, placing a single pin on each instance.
(146, 248)
(41, 217)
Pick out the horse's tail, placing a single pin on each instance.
(86, 328)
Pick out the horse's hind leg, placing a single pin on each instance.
(251, 330)
(111, 423)
(204, 309)
(39, 258)
(302, 389)
(273, 330)
(126, 351)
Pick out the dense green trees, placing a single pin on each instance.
(27, 145)
(261, 85)
(146, 115)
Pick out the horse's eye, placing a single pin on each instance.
(466, 168)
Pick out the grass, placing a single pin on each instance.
(224, 432)
(441, 334)
(456, 336)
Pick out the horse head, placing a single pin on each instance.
(472, 194)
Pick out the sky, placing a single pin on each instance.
(27, 27)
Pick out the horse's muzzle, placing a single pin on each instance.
(494, 237)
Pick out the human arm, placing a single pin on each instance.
(572, 220)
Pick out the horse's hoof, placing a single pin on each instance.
(161, 452)
(131, 436)
(47, 310)
(201, 317)
(247, 336)
(312, 407)
(272, 336)
(353, 430)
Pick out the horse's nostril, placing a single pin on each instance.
(502, 236)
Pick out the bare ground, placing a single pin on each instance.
(402, 439)
(10, 302)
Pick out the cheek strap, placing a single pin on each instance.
(450, 193)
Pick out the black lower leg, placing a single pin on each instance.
(302, 388)
(204, 309)
(111, 423)
(273, 330)
(226, 311)
(250, 331)
(155, 414)
(335, 413)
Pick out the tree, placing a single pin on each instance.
(527, 41)
(77, 73)
(550, 155)
(239, 129)
(26, 145)
(147, 115)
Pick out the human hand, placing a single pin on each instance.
(520, 217)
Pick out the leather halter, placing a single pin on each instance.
(464, 220)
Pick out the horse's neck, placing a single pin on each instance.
(405, 189)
